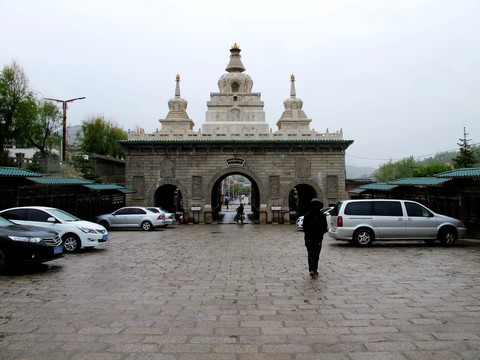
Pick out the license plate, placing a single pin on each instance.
(58, 250)
(105, 237)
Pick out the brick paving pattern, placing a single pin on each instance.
(243, 292)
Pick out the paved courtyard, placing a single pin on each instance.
(243, 292)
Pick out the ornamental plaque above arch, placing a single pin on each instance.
(303, 168)
(167, 168)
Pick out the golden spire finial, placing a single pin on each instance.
(292, 77)
(235, 46)
(178, 77)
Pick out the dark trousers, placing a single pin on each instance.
(313, 250)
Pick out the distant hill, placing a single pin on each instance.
(357, 172)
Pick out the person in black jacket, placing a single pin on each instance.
(314, 226)
(240, 214)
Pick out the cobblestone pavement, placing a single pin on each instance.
(243, 292)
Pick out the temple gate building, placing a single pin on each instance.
(183, 170)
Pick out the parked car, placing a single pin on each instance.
(132, 216)
(75, 233)
(22, 244)
(363, 221)
(167, 216)
(327, 212)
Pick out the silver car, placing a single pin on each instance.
(363, 221)
(132, 217)
(167, 216)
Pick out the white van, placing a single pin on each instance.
(363, 221)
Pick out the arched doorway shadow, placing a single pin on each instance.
(170, 197)
(300, 193)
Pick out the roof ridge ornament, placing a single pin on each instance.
(293, 93)
(177, 87)
(235, 65)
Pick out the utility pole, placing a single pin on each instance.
(64, 105)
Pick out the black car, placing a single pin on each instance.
(27, 244)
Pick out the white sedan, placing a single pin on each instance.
(167, 216)
(75, 233)
(327, 213)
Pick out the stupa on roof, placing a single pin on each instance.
(177, 119)
(235, 108)
(235, 111)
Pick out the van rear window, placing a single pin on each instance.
(359, 208)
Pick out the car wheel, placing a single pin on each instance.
(363, 237)
(3, 259)
(146, 226)
(447, 236)
(104, 224)
(71, 243)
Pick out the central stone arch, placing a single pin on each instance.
(211, 190)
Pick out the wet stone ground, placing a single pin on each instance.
(243, 292)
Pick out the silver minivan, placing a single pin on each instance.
(363, 221)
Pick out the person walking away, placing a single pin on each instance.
(240, 213)
(314, 227)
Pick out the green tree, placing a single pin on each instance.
(85, 166)
(17, 106)
(100, 136)
(395, 170)
(431, 169)
(466, 154)
(43, 130)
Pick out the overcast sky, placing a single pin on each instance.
(400, 77)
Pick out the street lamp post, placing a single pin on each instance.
(64, 105)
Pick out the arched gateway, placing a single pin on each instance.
(183, 171)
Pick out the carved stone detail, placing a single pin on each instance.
(196, 187)
(167, 168)
(274, 186)
(303, 168)
(138, 184)
(332, 186)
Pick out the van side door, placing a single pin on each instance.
(421, 223)
(389, 219)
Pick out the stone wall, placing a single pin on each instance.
(195, 170)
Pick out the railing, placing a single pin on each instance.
(191, 135)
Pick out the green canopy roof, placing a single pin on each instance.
(120, 188)
(420, 181)
(104, 186)
(471, 173)
(59, 181)
(17, 172)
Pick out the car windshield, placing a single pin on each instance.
(63, 215)
(5, 222)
